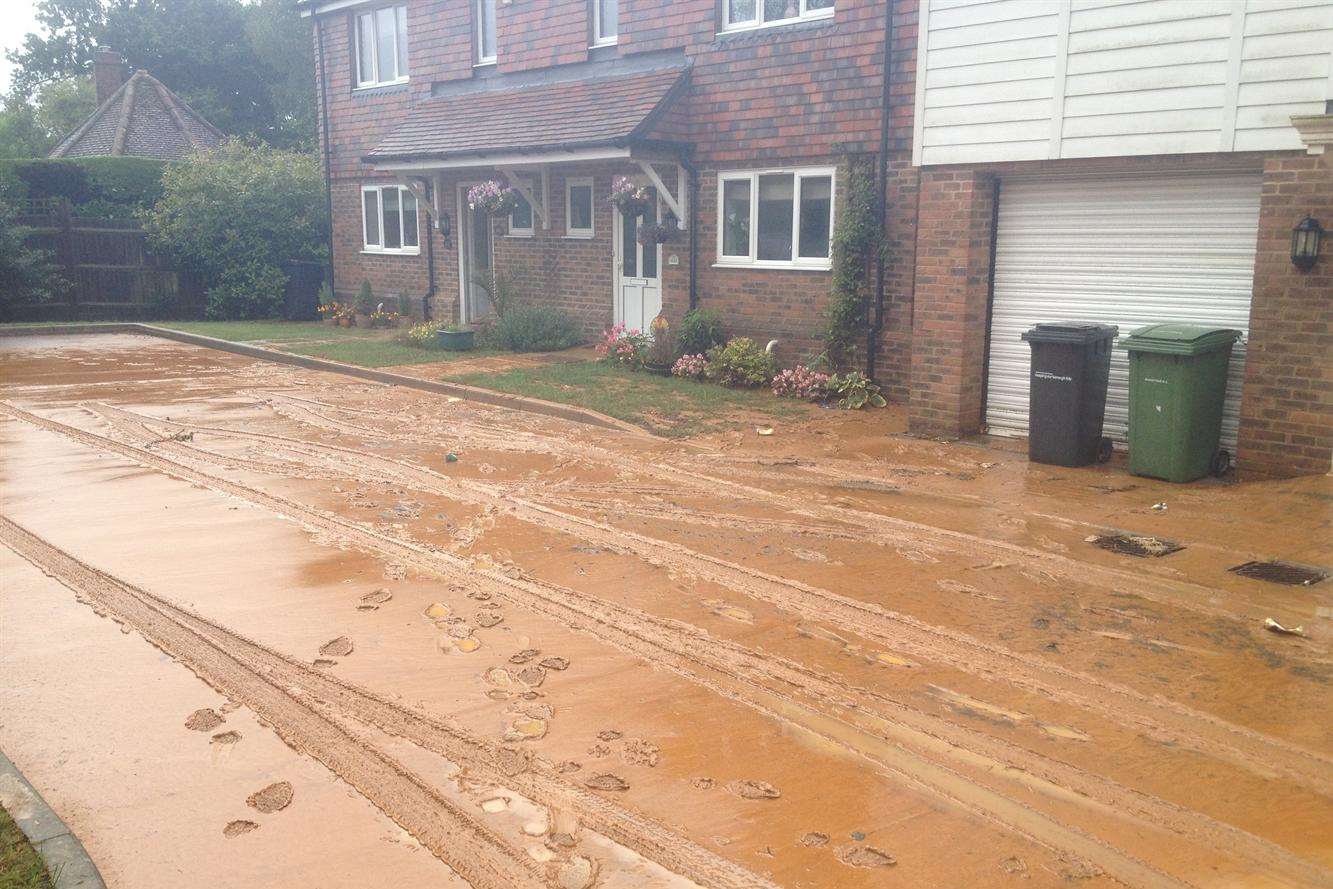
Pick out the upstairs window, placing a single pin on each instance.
(775, 218)
(606, 22)
(389, 219)
(381, 46)
(485, 19)
(742, 14)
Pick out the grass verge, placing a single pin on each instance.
(664, 405)
(20, 865)
(378, 352)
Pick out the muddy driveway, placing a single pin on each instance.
(262, 626)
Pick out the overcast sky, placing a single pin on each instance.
(16, 21)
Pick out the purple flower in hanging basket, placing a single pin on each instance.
(630, 199)
(653, 233)
(494, 198)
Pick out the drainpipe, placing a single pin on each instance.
(693, 222)
(881, 180)
(324, 132)
(430, 256)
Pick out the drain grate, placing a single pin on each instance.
(1281, 572)
(1137, 545)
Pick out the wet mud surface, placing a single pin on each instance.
(831, 657)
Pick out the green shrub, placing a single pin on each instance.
(103, 187)
(246, 291)
(856, 390)
(420, 335)
(407, 305)
(325, 295)
(365, 299)
(534, 329)
(26, 275)
(741, 362)
(699, 331)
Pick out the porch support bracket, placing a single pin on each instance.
(676, 203)
(418, 189)
(538, 206)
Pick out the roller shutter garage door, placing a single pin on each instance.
(1124, 250)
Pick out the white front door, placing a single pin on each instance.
(638, 273)
(475, 260)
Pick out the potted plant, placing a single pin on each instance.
(456, 338)
(653, 233)
(365, 303)
(630, 199)
(661, 351)
(493, 197)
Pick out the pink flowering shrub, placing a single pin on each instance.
(622, 346)
(690, 367)
(801, 382)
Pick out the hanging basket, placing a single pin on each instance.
(653, 233)
(630, 199)
(496, 199)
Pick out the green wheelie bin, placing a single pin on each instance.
(1177, 382)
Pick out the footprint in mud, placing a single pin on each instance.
(754, 789)
(523, 656)
(323, 662)
(609, 734)
(437, 611)
(639, 752)
(203, 720)
(495, 805)
(466, 645)
(568, 766)
(814, 839)
(512, 761)
(599, 751)
(526, 728)
(579, 872)
(1014, 865)
(226, 738)
(237, 828)
(607, 781)
(722, 608)
(554, 663)
(372, 601)
(703, 783)
(340, 647)
(273, 798)
(479, 596)
(488, 618)
(532, 676)
(864, 856)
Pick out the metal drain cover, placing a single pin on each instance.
(1281, 572)
(1138, 545)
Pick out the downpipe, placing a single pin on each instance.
(881, 204)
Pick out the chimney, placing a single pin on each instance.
(108, 72)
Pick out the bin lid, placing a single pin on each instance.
(1180, 339)
(1070, 332)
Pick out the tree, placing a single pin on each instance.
(20, 133)
(32, 127)
(236, 216)
(26, 274)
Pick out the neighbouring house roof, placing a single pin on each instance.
(141, 119)
(606, 111)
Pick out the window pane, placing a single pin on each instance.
(776, 10)
(386, 31)
(629, 243)
(402, 41)
(609, 18)
(811, 5)
(370, 208)
(739, 11)
(775, 216)
(393, 231)
(816, 201)
(487, 24)
(365, 43)
(521, 218)
(736, 217)
(580, 207)
(411, 238)
(650, 250)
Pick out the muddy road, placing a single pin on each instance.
(282, 628)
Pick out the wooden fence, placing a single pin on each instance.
(109, 273)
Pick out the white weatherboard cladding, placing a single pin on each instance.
(1007, 80)
(1129, 251)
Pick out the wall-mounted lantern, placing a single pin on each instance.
(1305, 237)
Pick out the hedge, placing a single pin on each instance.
(102, 185)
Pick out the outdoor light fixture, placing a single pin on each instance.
(443, 223)
(1305, 237)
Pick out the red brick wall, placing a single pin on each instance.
(1286, 424)
(541, 33)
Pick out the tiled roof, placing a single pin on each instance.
(141, 119)
(582, 113)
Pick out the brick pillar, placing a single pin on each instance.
(949, 307)
(1286, 422)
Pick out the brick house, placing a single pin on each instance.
(739, 115)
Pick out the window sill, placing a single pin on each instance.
(407, 251)
(520, 234)
(486, 63)
(578, 236)
(603, 44)
(775, 266)
(822, 15)
(376, 87)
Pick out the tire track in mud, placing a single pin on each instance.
(927, 734)
(468, 847)
(1166, 720)
(685, 650)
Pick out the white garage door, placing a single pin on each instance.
(1125, 250)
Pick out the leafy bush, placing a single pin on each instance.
(621, 346)
(857, 235)
(325, 295)
(699, 331)
(741, 362)
(105, 187)
(26, 275)
(801, 382)
(236, 216)
(406, 305)
(421, 335)
(856, 390)
(534, 329)
(365, 299)
(690, 367)
(662, 349)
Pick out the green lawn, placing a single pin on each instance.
(273, 331)
(368, 352)
(20, 866)
(665, 405)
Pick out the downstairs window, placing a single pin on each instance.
(775, 218)
(389, 219)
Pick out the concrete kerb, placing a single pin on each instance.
(470, 393)
(66, 859)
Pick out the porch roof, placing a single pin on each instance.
(570, 119)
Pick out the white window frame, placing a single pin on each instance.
(797, 261)
(598, 38)
(400, 22)
(530, 231)
(366, 246)
(583, 233)
(806, 15)
(479, 34)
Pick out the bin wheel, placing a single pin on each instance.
(1104, 450)
(1221, 462)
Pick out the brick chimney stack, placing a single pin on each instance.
(108, 72)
